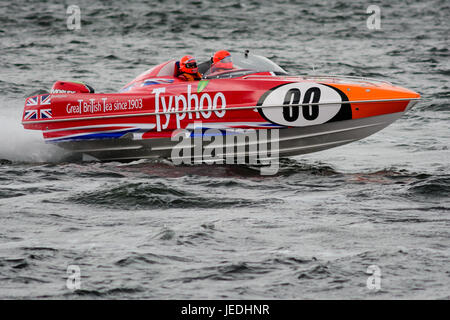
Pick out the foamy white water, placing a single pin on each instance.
(22, 145)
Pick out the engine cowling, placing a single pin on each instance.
(71, 87)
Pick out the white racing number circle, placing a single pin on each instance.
(300, 93)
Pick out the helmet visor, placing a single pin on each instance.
(191, 65)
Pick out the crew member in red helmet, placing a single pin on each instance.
(221, 61)
(189, 69)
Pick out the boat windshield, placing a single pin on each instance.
(237, 65)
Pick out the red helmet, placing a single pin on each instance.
(222, 60)
(188, 64)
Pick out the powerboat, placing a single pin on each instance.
(149, 116)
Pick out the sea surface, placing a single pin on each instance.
(151, 230)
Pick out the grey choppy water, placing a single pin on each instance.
(151, 230)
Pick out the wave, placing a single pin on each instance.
(290, 167)
(129, 196)
(118, 291)
(435, 187)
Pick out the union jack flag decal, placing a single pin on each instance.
(36, 102)
(30, 115)
(45, 99)
(32, 101)
(46, 113)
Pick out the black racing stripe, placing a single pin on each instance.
(345, 112)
